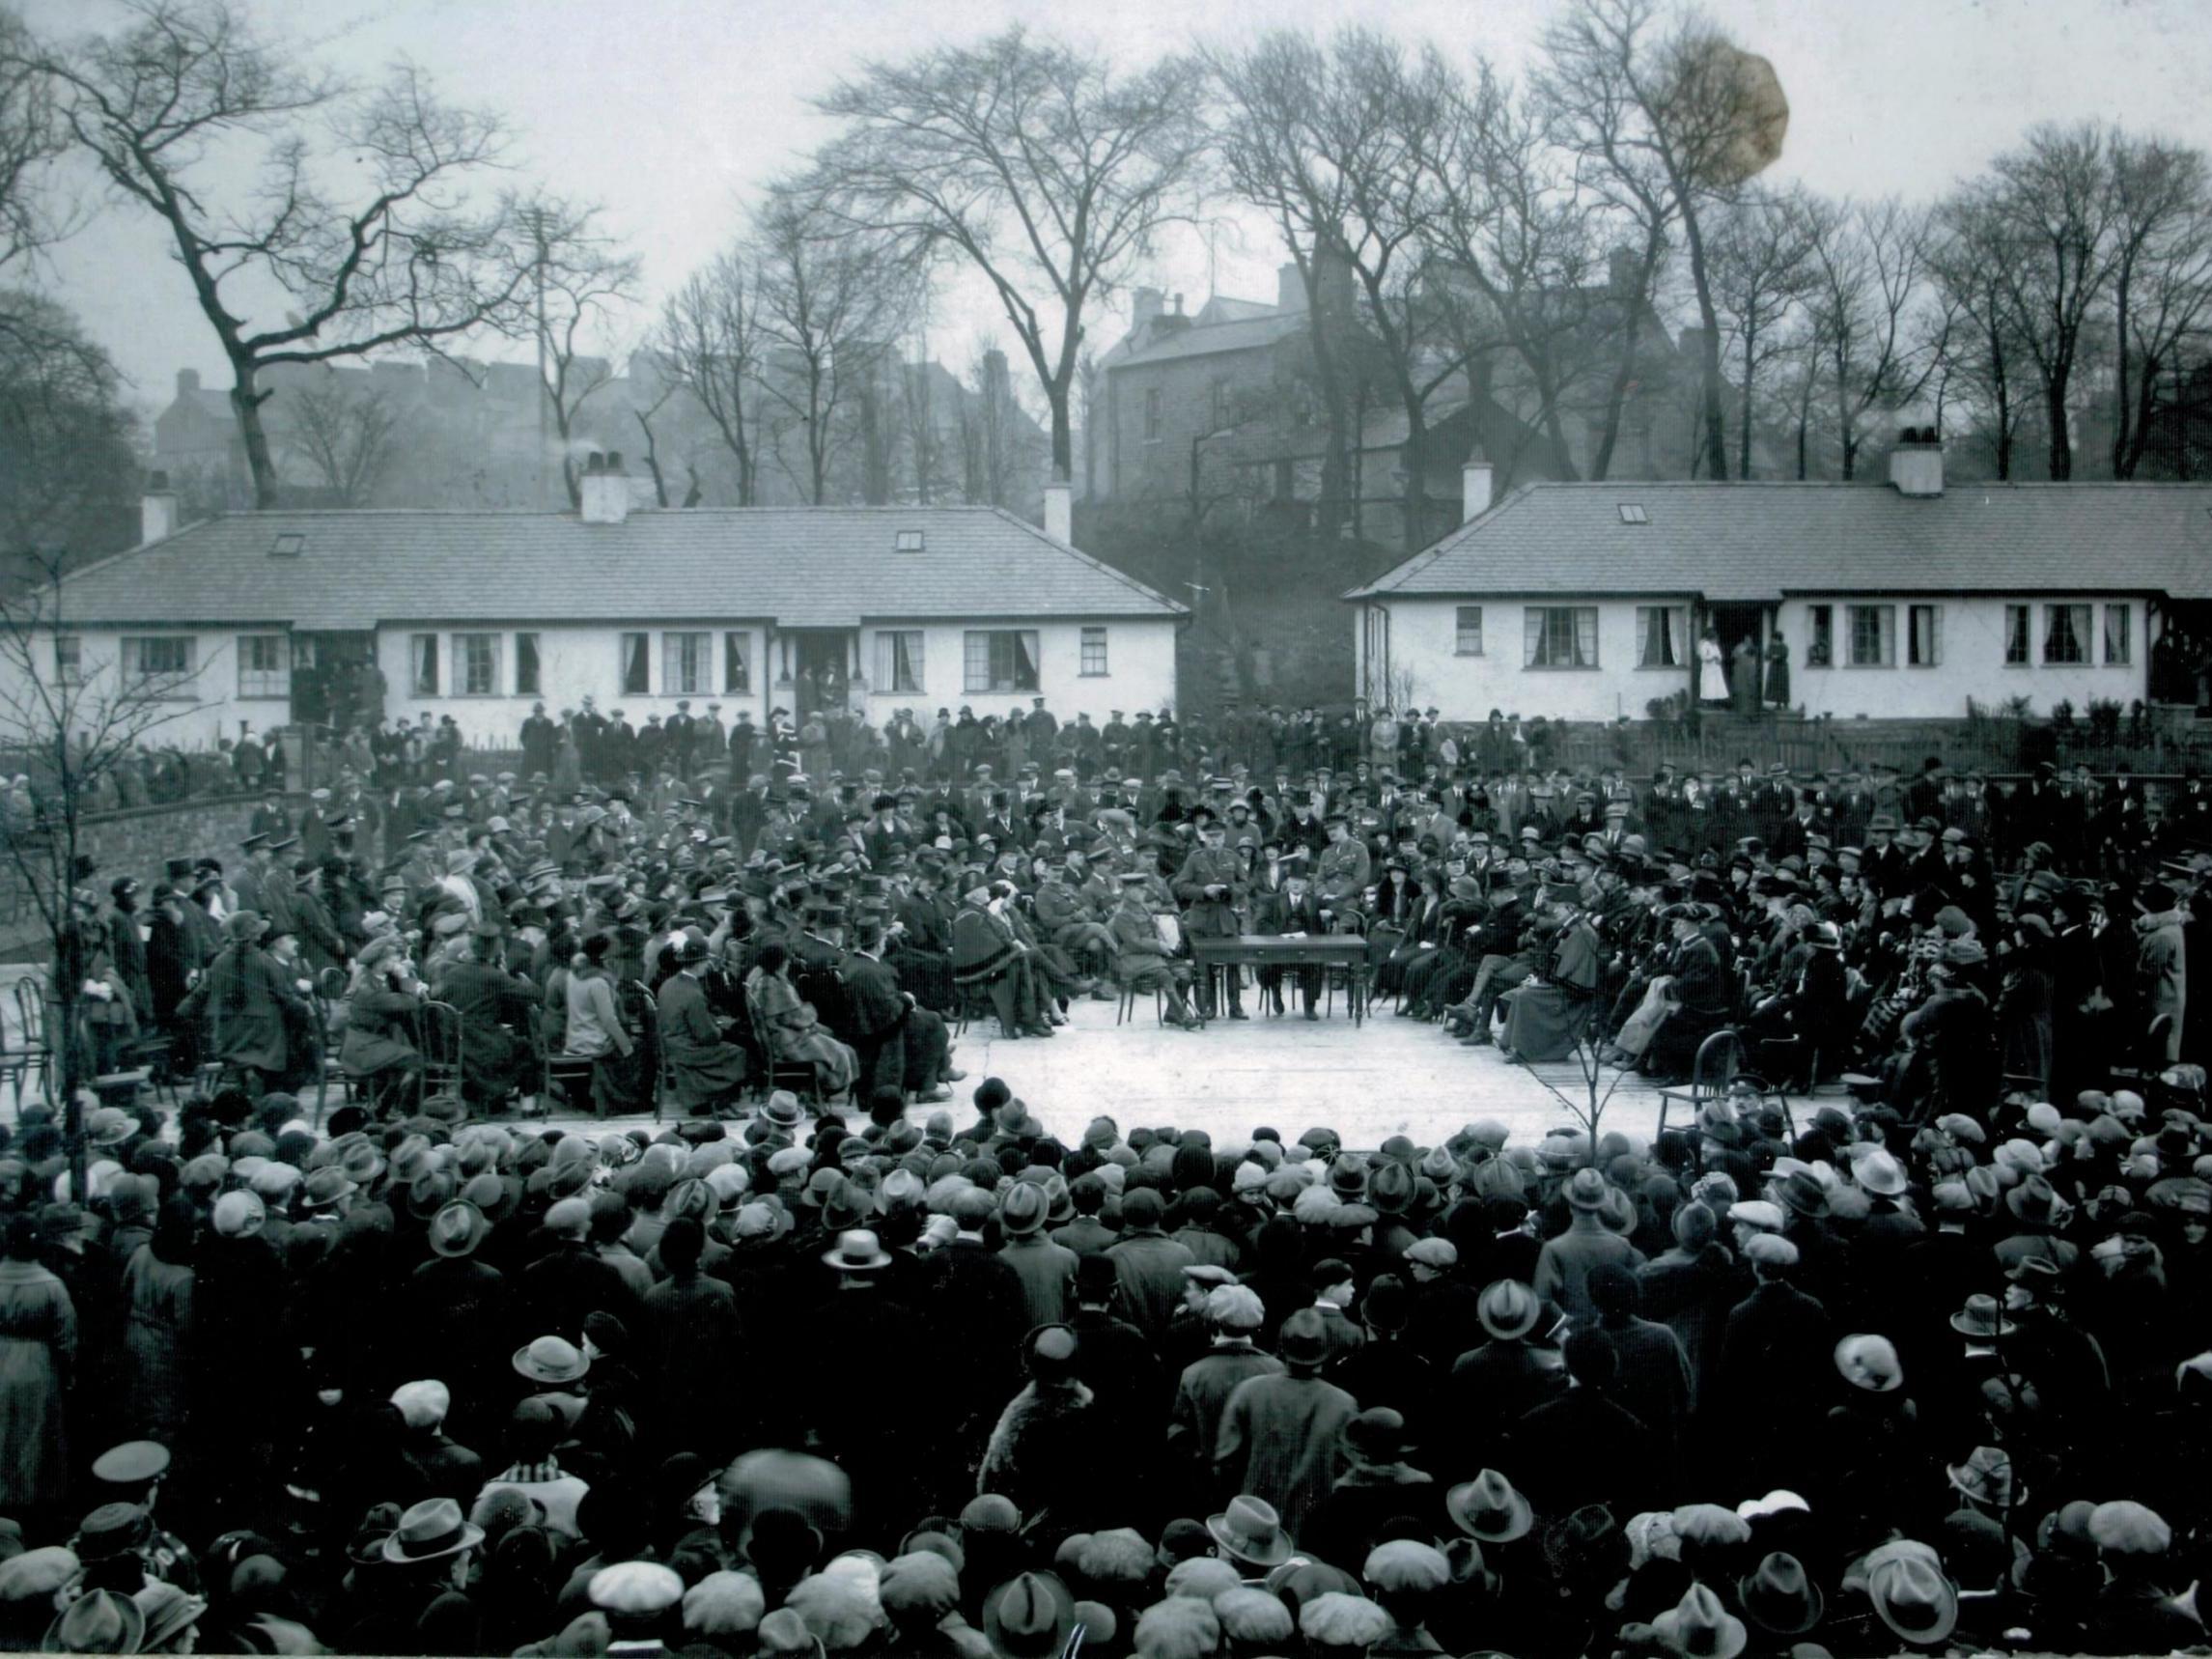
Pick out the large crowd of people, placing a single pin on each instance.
(819, 1366)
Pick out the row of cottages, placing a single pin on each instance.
(1587, 602)
(248, 618)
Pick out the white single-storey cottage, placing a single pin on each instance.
(255, 617)
(1587, 602)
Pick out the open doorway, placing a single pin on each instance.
(821, 667)
(1734, 625)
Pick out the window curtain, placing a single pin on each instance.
(637, 664)
(1024, 660)
(1532, 637)
(425, 663)
(1585, 636)
(737, 672)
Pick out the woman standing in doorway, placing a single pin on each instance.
(1712, 670)
(1744, 677)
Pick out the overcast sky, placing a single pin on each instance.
(672, 113)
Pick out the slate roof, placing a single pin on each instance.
(1733, 543)
(1204, 338)
(800, 566)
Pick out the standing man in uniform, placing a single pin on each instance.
(1211, 887)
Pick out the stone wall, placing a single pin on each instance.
(135, 842)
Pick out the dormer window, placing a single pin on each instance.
(908, 542)
(1633, 513)
(287, 545)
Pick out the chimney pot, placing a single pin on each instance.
(603, 494)
(1917, 463)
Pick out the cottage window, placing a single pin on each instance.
(1924, 629)
(1467, 632)
(1094, 652)
(476, 664)
(422, 664)
(737, 661)
(1560, 636)
(261, 672)
(1820, 636)
(1873, 635)
(1662, 636)
(2065, 634)
(528, 681)
(899, 660)
(68, 660)
(2116, 634)
(156, 663)
(303, 655)
(637, 664)
(999, 660)
(2016, 636)
(907, 542)
(687, 664)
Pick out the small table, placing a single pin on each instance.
(1345, 950)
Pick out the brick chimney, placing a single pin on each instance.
(1917, 463)
(1290, 288)
(1060, 512)
(188, 382)
(1144, 306)
(1474, 478)
(603, 493)
(158, 507)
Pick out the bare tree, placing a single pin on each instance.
(1863, 268)
(827, 302)
(2162, 278)
(70, 723)
(1761, 251)
(66, 443)
(2053, 202)
(33, 212)
(1034, 163)
(1510, 259)
(348, 439)
(1261, 101)
(710, 344)
(373, 241)
(1977, 337)
(580, 285)
(1680, 121)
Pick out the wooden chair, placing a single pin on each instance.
(2146, 1059)
(798, 1076)
(1719, 1058)
(572, 1075)
(35, 1052)
(437, 1039)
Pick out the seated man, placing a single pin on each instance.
(900, 1044)
(496, 1009)
(987, 953)
(706, 1071)
(1290, 909)
(1545, 1015)
(1064, 917)
(1141, 962)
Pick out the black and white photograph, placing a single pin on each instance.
(1298, 830)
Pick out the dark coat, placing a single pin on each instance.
(244, 997)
